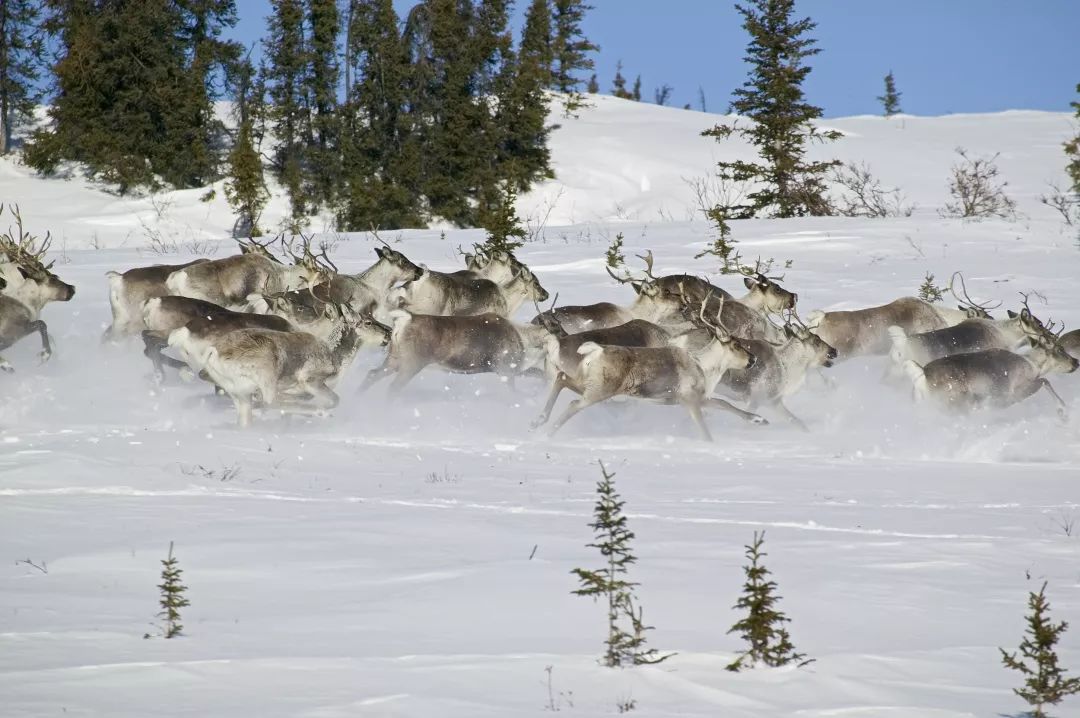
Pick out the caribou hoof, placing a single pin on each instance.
(43, 356)
(7, 368)
(186, 374)
(759, 420)
(537, 423)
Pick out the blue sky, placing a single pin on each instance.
(947, 55)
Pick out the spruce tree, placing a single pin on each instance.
(245, 188)
(133, 92)
(22, 56)
(197, 136)
(786, 185)
(285, 49)
(1045, 683)
(323, 155)
(172, 595)
(571, 47)
(1072, 151)
(610, 582)
(890, 101)
(380, 155)
(524, 155)
(763, 627)
(930, 292)
(504, 230)
(593, 87)
(618, 85)
(635, 94)
(453, 124)
(614, 254)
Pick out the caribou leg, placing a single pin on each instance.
(404, 375)
(779, 405)
(717, 403)
(154, 344)
(243, 411)
(561, 382)
(46, 348)
(695, 413)
(1063, 408)
(377, 374)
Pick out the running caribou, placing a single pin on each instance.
(668, 375)
(228, 282)
(994, 378)
(863, 332)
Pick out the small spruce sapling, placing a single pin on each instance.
(890, 101)
(172, 595)
(611, 582)
(614, 254)
(1045, 683)
(763, 627)
(930, 292)
(504, 230)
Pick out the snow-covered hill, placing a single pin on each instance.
(619, 161)
(413, 557)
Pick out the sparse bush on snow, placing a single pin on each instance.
(863, 195)
(977, 190)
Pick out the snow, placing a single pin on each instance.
(413, 557)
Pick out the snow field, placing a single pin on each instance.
(412, 558)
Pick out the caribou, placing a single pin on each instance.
(287, 370)
(228, 282)
(439, 293)
(26, 285)
(780, 369)
(994, 378)
(654, 304)
(367, 291)
(864, 332)
(27, 279)
(164, 315)
(129, 291)
(1070, 342)
(465, 344)
(970, 335)
(668, 375)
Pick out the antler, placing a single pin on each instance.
(759, 271)
(375, 234)
(323, 258)
(649, 276)
(648, 259)
(967, 299)
(717, 327)
(25, 251)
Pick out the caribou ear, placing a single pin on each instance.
(1011, 313)
(789, 331)
(750, 283)
(1025, 314)
(638, 286)
(23, 272)
(379, 252)
(1033, 341)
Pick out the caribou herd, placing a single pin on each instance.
(275, 327)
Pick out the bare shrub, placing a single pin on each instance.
(863, 195)
(714, 191)
(1066, 203)
(977, 190)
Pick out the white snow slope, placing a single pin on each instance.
(412, 558)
